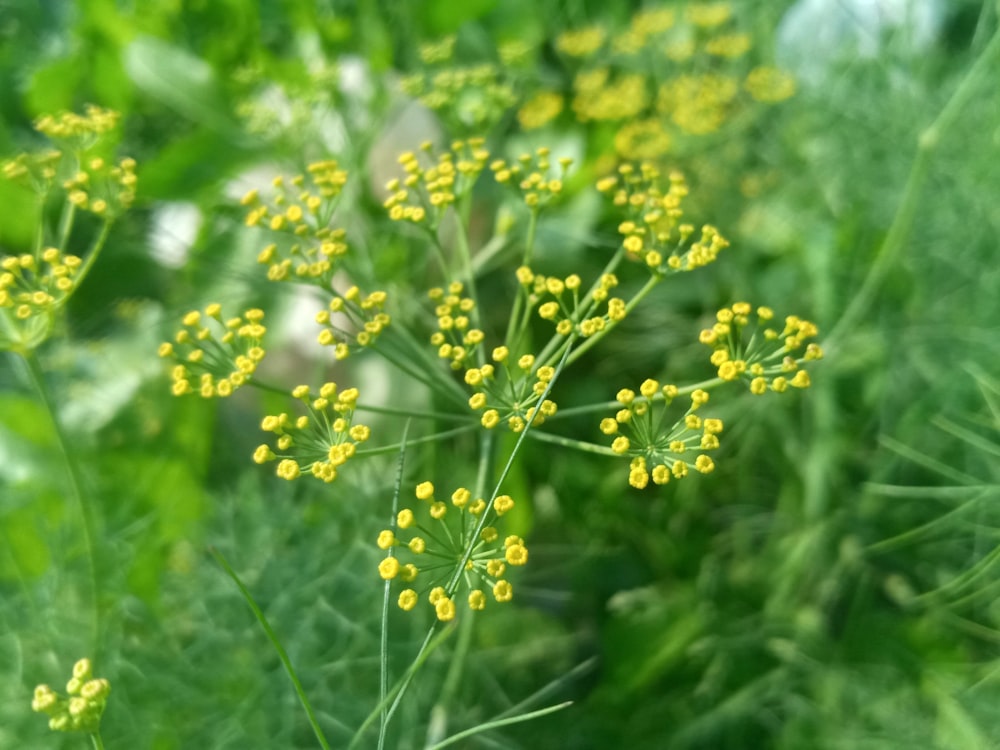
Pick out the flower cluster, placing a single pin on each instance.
(366, 315)
(102, 187)
(661, 449)
(301, 209)
(767, 84)
(212, 365)
(423, 195)
(653, 233)
(698, 103)
(771, 360)
(79, 129)
(81, 710)
(318, 443)
(32, 289)
(581, 42)
(601, 96)
(448, 545)
(567, 308)
(472, 98)
(456, 338)
(514, 398)
(643, 139)
(540, 110)
(531, 175)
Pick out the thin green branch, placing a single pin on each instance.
(273, 638)
(76, 490)
(501, 723)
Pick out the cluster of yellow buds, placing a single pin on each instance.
(568, 310)
(81, 710)
(444, 548)
(768, 84)
(69, 126)
(515, 398)
(532, 175)
(656, 452)
(709, 15)
(456, 339)
(32, 289)
(366, 315)
(541, 109)
(301, 208)
(653, 233)
(601, 96)
(318, 443)
(36, 170)
(582, 42)
(770, 361)
(643, 29)
(423, 195)
(438, 51)
(698, 103)
(214, 366)
(102, 187)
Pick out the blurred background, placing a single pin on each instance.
(833, 584)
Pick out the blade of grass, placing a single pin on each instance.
(500, 723)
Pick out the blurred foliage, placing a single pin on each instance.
(831, 585)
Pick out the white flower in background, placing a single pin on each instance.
(174, 228)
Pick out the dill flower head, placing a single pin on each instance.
(77, 131)
(299, 212)
(352, 320)
(456, 338)
(509, 391)
(213, 355)
(32, 289)
(709, 15)
(569, 309)
(581, 42)
(82, 708)
(470, 98)
(698, 103)
(653, 232)
(428, 546)
(434, 181)
(533, 175)
(661, 449)
(318, 442)
(747, 346)
(619, 97)
(540, 110)
(642, 140)
(767, 84)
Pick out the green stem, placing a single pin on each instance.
(579, 445)
(95, 738)
(416, 441)
(272, 636)
(612, 324)
(903, 221)
(465, 256)
(383, 687)
(95, 250)
(76, 490)
(522, 293)
(486, 516)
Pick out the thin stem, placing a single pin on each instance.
(416, 441)
(486, 515)
(273, 638)
(95, 738)
(606, 405)
(383, 687)
(522, 293)
(95, 250)
(76, 490)
(501, 723)
(579, 445)
(612, 324)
